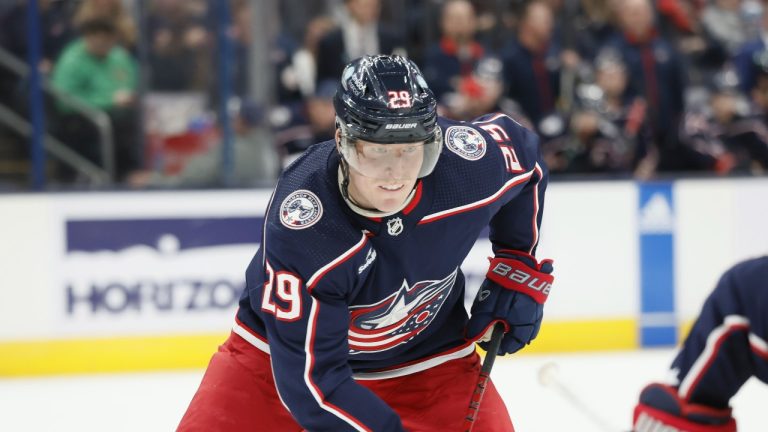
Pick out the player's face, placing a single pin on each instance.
(384, 174)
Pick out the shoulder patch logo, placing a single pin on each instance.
(300, 210)
(465, 142)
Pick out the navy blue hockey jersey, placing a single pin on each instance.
(335, 297)
(727, 344)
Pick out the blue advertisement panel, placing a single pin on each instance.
(656, 219)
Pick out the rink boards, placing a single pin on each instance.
(150, 280)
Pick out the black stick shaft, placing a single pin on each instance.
(485, 375)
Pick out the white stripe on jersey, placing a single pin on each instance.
(485, 201)
(758, 345)
(351, 251)
(264, 228)
(496, 117)
(309, 363)
(535, 226)
(250, 338)
(418, 367)
(701, 364)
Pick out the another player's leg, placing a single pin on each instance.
(436, 399)
(237, 393)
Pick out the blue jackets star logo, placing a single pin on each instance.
(398, 318)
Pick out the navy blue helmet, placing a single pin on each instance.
(384, 99)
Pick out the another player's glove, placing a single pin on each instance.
(513, 293)
(661, 408)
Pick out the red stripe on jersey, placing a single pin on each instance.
(759, 346)
(375, 345)
(250, 330)
(415, 201)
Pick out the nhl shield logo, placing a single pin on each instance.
(465, 142)
(300, 210)
(394, 226)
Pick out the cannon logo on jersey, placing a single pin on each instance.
(465, 142)
(300, 210)
(398, 318)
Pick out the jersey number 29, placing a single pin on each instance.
(287, 287)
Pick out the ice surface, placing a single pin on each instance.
(607, 383)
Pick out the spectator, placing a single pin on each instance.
(751, 17)
(457, 53)
(532, 64)
(628, 115)
(722, 19)
(655, 73)
(590, 28)
(55, 19)
(241, 32)
(101, 73)
(606, 130)
(254, 162)
(297, 126)
(179, 54)
(479, 92)
(676, 18)
(744, 58)
(300, 76)
(599, 148)
(111, 10)
(759, 93)
(360, 35)
(725, 138)
(745, 137)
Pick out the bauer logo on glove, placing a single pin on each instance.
(513, 293)
(520, 276)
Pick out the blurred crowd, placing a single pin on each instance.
(618, 88)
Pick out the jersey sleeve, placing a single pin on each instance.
(306, 317)
(515, 226)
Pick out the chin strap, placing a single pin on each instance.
(344, 188)
(343, 168)
(344, 178)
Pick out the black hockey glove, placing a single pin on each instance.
(513, 293)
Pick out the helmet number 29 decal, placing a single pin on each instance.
(399, 99)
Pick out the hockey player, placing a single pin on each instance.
(353, 316)
(726, 346)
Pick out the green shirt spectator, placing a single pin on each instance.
(96, 70)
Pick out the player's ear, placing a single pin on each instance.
(337, 136)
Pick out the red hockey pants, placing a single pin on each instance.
(238, 394)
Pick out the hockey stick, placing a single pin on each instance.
(548, 377)
(485, 375)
